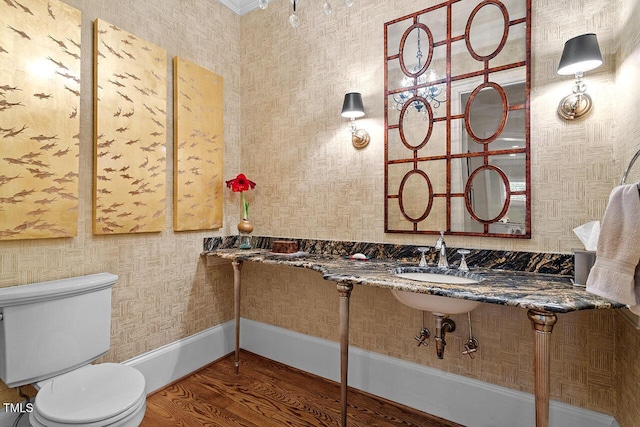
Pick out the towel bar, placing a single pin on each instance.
(626, 172)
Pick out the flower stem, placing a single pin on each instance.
(245, 207)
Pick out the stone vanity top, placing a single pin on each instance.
(524, 289)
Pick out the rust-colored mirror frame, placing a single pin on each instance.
(393, 195)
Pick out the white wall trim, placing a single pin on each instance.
(173, 361)
(240, 7)
(453, 397)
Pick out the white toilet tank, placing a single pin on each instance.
(50, 328)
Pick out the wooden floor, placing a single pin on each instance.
(266, 393)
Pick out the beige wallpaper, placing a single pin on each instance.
(314, 184)
(163, 292)
(627, 373)
(627, 143)
(282, 127)
(582, 345)
(627, 62)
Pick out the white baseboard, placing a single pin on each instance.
(173, 361)
(453, 397)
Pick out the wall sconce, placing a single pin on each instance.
(580, 54)
(353, 108)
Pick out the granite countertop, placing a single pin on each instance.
(530, 290)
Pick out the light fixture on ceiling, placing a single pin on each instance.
(353, 108)
(429, 92)
(580, 54)
(293, 19)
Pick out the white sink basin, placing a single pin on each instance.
(435, 303)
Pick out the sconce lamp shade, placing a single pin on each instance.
(353, 106)
(580, 54)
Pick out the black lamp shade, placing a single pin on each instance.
(352, 107)
(580, 54)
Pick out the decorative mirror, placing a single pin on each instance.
(457, 82)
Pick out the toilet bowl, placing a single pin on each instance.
(50, 332)
(106, 394)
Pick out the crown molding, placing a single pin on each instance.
(240, 7)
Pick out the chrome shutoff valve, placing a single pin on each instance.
(423, 337)
(470, 347)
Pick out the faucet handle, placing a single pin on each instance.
(440, 241)
(423, 260)
(470, 347)
(463, 261)
(423, 337)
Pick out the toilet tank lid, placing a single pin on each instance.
(62, 288)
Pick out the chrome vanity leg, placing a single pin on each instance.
(237, 266)
(344, 290)
(542, 323)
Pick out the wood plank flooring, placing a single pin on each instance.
(266, 393)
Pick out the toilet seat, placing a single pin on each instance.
(106, 394)
(131, 418)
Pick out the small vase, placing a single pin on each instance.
(245, 227)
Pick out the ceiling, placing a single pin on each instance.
(240, 7)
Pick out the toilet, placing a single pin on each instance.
(50, 332)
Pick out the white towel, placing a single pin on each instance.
(616, 273)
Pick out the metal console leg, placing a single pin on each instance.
(542, 323)
(237, 266)
(344, 290)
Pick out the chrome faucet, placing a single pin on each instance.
(442, 247)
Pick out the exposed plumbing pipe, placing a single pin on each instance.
(443, 325)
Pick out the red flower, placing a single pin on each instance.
(240, 183)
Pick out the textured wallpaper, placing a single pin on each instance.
(313, 184)
(627, 60)
(164, 293)
(283, 93)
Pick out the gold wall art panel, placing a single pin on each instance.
(130, 132)
(39, 124)
(198, 143)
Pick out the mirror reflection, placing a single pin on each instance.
(486, 112)
(415, 133)
(413, 59)
(487, 29)
(457, 117)
(419, 197)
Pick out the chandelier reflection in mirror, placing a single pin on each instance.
(461, 172)
(293, 19)
(430, 92)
